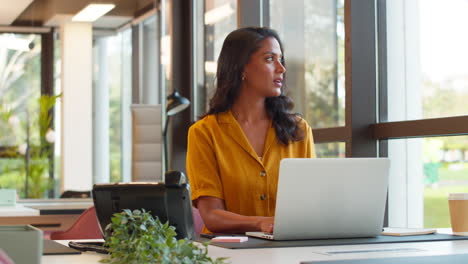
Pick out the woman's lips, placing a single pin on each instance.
(278, 82)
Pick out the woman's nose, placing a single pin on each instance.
(280, 67)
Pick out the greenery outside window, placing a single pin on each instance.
(26, 131)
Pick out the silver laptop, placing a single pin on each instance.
(330, 198)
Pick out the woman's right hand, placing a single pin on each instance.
(218, 220)
(266, 224)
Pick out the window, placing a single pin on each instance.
(220, 18)
(26, 131)
(108, 58)
(427, 74)
(126, 72)
(149, 52)
(314, 53)
(330, 150)
(424, 171)
(315, 62)
(425, 92)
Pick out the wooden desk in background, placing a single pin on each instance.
(54, 214)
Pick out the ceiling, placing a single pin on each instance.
(54, 12)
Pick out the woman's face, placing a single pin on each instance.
(263, 74)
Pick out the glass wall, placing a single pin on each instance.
(313, 36)
(220, 19)
(113, 63)
(430, 168)
(427, 73)
(150, 48)
(330, 150)
(57, 61)
(125, 103)
(426, 79)
(26, 134)
(115, 57)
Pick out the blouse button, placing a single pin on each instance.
(263, 197)
(262, 173)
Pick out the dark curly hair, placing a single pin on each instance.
(237, 49)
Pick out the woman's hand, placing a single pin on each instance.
(266, 224)
(218, 220)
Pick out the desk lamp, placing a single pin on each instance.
(176, 103)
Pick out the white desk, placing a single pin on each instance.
(49, 214)
(57, 204)
(17, 210)
(298, 254)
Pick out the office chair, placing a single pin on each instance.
(4, 258)
(85, 227)
(146, 143)
(76, 194)
(197, 221)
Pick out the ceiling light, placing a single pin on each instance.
(92, 12)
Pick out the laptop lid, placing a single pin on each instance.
(331, 198)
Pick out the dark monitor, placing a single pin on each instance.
(168, 202)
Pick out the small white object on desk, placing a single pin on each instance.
(230, 239)
(396, 231)
(18, 210)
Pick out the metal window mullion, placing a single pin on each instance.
(266, 13)
(136, 63)
(364, 77)
(382, 71)
(198, 56)
(47, 88)
(382, 106)
(250, 13)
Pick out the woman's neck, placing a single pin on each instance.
(249, 109)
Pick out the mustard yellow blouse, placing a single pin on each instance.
(221, 163)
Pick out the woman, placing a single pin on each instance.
(234, 151)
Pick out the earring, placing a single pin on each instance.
(243, 77)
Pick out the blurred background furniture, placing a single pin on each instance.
(197, 221)
(85, 227)
(175, 104)
(51, 214)
(146, 143)
(4, 258)
(76, 194)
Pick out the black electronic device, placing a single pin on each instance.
(169, 202)
(175, 178)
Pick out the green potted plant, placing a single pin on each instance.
(137, 237)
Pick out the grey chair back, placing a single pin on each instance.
(147, 143)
